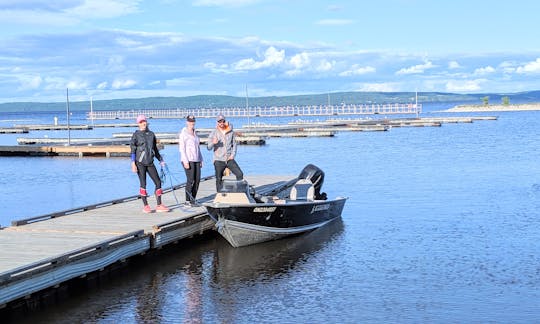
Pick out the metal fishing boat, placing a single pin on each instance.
(244, 217)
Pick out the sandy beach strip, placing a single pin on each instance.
(481, 108)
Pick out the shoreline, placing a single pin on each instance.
(482, 108)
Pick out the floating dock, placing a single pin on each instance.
(13, 130)
(45, 252)
(69, 150)
(254, 134)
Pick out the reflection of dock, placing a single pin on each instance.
(42, 256)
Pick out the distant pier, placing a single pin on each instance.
(282, 111)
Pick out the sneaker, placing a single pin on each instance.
(187, 204)
(147, 209)
(162, 208)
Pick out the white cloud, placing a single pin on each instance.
(358, 70)
(29, 83)
(55, 83)
(416, 69)
(453, 65)
(123, 84)
(104, 8)
(272, 57)
(27, 18)
(507, 67)
(77, 85)
(309, 62)
(531, 67)
(325, 66)
(62, 13)
(463, 85)
(110, 62)
(379, 87)
(484, 70)
(300, 61)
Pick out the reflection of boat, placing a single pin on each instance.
(275, 258)
(245, 218)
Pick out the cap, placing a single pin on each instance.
(190, 118)
(141, 118)
(220, 117)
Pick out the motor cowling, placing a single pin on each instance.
(316, 176)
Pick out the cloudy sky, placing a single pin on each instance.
(108, 49)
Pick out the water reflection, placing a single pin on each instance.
(270, 259)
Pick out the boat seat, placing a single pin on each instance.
(303, 189)
(234, 192)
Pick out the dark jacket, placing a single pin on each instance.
(144, 146)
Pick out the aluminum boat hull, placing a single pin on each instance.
(252, 223)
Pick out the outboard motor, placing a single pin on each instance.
(316, 176)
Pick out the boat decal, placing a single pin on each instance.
(264, 209)
(317, 208)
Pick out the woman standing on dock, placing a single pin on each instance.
(192, 159)
(143, 150)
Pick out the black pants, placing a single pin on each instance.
(219, 167)
(193, 177)
(142, 170)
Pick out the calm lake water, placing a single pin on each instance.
(442, 225)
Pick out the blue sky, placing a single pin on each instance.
(108, 49)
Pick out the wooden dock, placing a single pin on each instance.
(20, 129)
(13, 130)
(60, 150)
(41, 127)
(46, 252)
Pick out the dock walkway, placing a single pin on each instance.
(43, 252)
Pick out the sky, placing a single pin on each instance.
(114, 49)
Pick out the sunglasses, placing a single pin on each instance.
(221, 121)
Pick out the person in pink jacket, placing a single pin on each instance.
(191, 158)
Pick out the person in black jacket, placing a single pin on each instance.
(143, 150)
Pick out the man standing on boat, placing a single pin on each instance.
(143, 150)
(222, 140)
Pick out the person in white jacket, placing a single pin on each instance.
(223, 142)
(191, 158)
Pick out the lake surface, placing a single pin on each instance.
(442, 225)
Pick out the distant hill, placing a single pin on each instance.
(215, 101)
